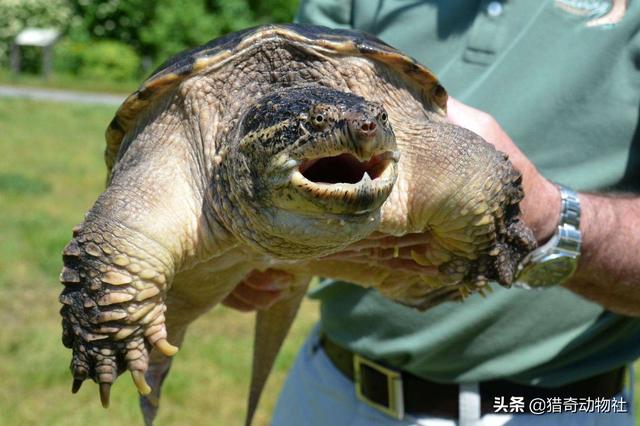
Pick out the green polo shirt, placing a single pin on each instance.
(568, 94)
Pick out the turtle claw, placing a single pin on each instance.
(105, 392)
(77, 383)
(166, 348)
(140, 382)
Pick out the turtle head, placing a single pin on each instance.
(311, 167)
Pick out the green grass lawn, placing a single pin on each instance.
(51, 171)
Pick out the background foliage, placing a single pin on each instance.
(123, 39)
(99, 60)
(15, 15)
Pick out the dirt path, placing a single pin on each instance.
(60, 95)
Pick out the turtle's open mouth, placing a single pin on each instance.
(344, 168)
(344, 184)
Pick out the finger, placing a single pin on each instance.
(376, 254)
(377, 235)
(406, 253)
(348, 255)
(259, 299)
(410, 266)
(233, 302)
(406, 264)
(392, 242)
(356, 258)
(271, 279)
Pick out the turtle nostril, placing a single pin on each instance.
(368, 127)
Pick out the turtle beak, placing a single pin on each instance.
(354, 170)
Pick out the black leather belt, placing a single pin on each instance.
(396, 392)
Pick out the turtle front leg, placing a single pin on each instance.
(139, 235)
(113, 309)
(465, 195)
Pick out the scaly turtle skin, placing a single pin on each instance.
(271, 148)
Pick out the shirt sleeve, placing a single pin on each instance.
(330, 13)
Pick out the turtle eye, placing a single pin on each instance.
(319, 120)
(383, 117)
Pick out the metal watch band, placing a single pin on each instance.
(569, 223)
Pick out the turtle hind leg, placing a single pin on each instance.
(155, 375)
(181, 313)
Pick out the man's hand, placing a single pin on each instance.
(541, 204)
(260, 290)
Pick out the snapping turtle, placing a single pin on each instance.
(271, 148)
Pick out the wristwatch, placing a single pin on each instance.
(555, 262)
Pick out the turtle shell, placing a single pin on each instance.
(322, 41)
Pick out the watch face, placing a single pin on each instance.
(553, 270)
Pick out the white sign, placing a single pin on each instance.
(40, 37)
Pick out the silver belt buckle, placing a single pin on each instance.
(395, 395)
